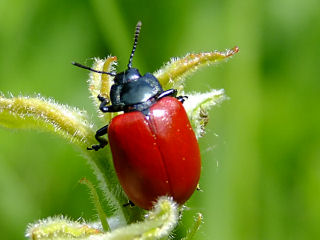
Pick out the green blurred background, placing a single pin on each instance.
(261, 154)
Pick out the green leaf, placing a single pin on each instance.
(46, 115)
(72, 124)
(97, 203)
(197, 106)
(158, 223)
(60, 228)
(195, 227)
(100, 84)
(173, 73)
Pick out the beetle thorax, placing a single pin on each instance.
(130, 88)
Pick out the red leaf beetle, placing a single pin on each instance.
(155, 151)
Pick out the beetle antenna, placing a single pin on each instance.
(136, 35)
(91, 69)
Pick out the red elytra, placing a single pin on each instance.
(155, 155)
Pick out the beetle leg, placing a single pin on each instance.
(103, 103)
(172, 93)
(102, 99)
(167, 93)
(110, 108)
(102, 142)
(182, 98)
(104, 108)
(129, 203)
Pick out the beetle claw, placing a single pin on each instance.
(94, 147)
(182, 98)
(129, 203)
(102, 99)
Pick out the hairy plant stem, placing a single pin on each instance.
(97, 203)
(109, 184)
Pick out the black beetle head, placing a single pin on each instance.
(128, 75)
